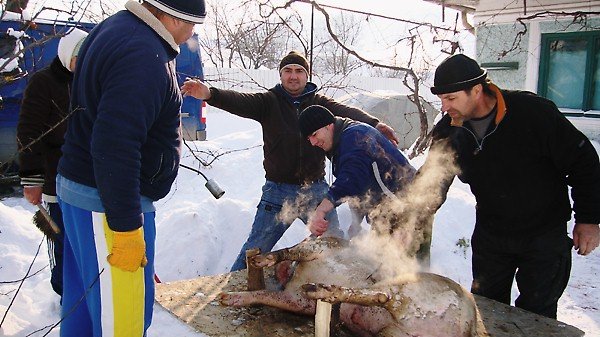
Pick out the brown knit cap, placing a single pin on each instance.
(295, 58)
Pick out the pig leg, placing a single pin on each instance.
(306, 250)
(335, 294)
(277, 299)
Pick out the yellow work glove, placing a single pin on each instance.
(128, 251)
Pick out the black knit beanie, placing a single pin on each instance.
(457, 72)
(296, 58)
(313, 118)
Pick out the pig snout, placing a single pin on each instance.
(319, 291)
(309, 288)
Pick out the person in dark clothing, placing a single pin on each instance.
(366, 165)
(40, 134)
(295, 170)
(519, 155)
(121, 153)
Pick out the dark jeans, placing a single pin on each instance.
(541, 266)
(269, 224)
(56, 278)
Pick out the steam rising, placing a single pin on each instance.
(401, 226)
(301, 208)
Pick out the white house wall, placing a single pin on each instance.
(507, 11)
(497, 28)
(496, 31)
(495, 44)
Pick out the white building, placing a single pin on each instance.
(550, 47)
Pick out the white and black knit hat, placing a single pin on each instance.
(188, 10)
(68, 46)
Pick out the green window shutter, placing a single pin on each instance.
(570, 69)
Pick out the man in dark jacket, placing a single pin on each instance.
(366, 165)
(295, 170)
(121, 154)
(519, 155)
(40, 134)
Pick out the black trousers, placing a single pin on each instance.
(56, 278)
(541, 266)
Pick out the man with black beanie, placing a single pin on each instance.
(519, 155)
(366, 165)
(294, 169)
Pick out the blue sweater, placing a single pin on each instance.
(124, 137)
(355, 147)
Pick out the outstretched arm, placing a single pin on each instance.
(195, 88)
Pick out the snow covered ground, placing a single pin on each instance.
(199, 235)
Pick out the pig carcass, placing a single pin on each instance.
(415, 304)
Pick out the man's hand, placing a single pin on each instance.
(33, 194)
(388, 132)
(317, 223)
(586, 237)
(195, 88)
(128, 251)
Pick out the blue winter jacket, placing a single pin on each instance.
(356, 146)
(124, 136)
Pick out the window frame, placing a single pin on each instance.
(593, 39)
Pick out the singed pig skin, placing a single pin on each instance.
(422, 304)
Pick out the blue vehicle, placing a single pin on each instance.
(40, 44)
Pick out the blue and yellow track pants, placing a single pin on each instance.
(100, 300)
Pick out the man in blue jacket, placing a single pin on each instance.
(366, 165)
(121, 153)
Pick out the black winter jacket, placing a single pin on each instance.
(520, 172)
(45, 106)
(288, 157)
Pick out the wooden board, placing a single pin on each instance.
(194, 303)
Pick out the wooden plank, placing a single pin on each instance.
(501, 320)
(195, 303)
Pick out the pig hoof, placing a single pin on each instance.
(230, 299)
